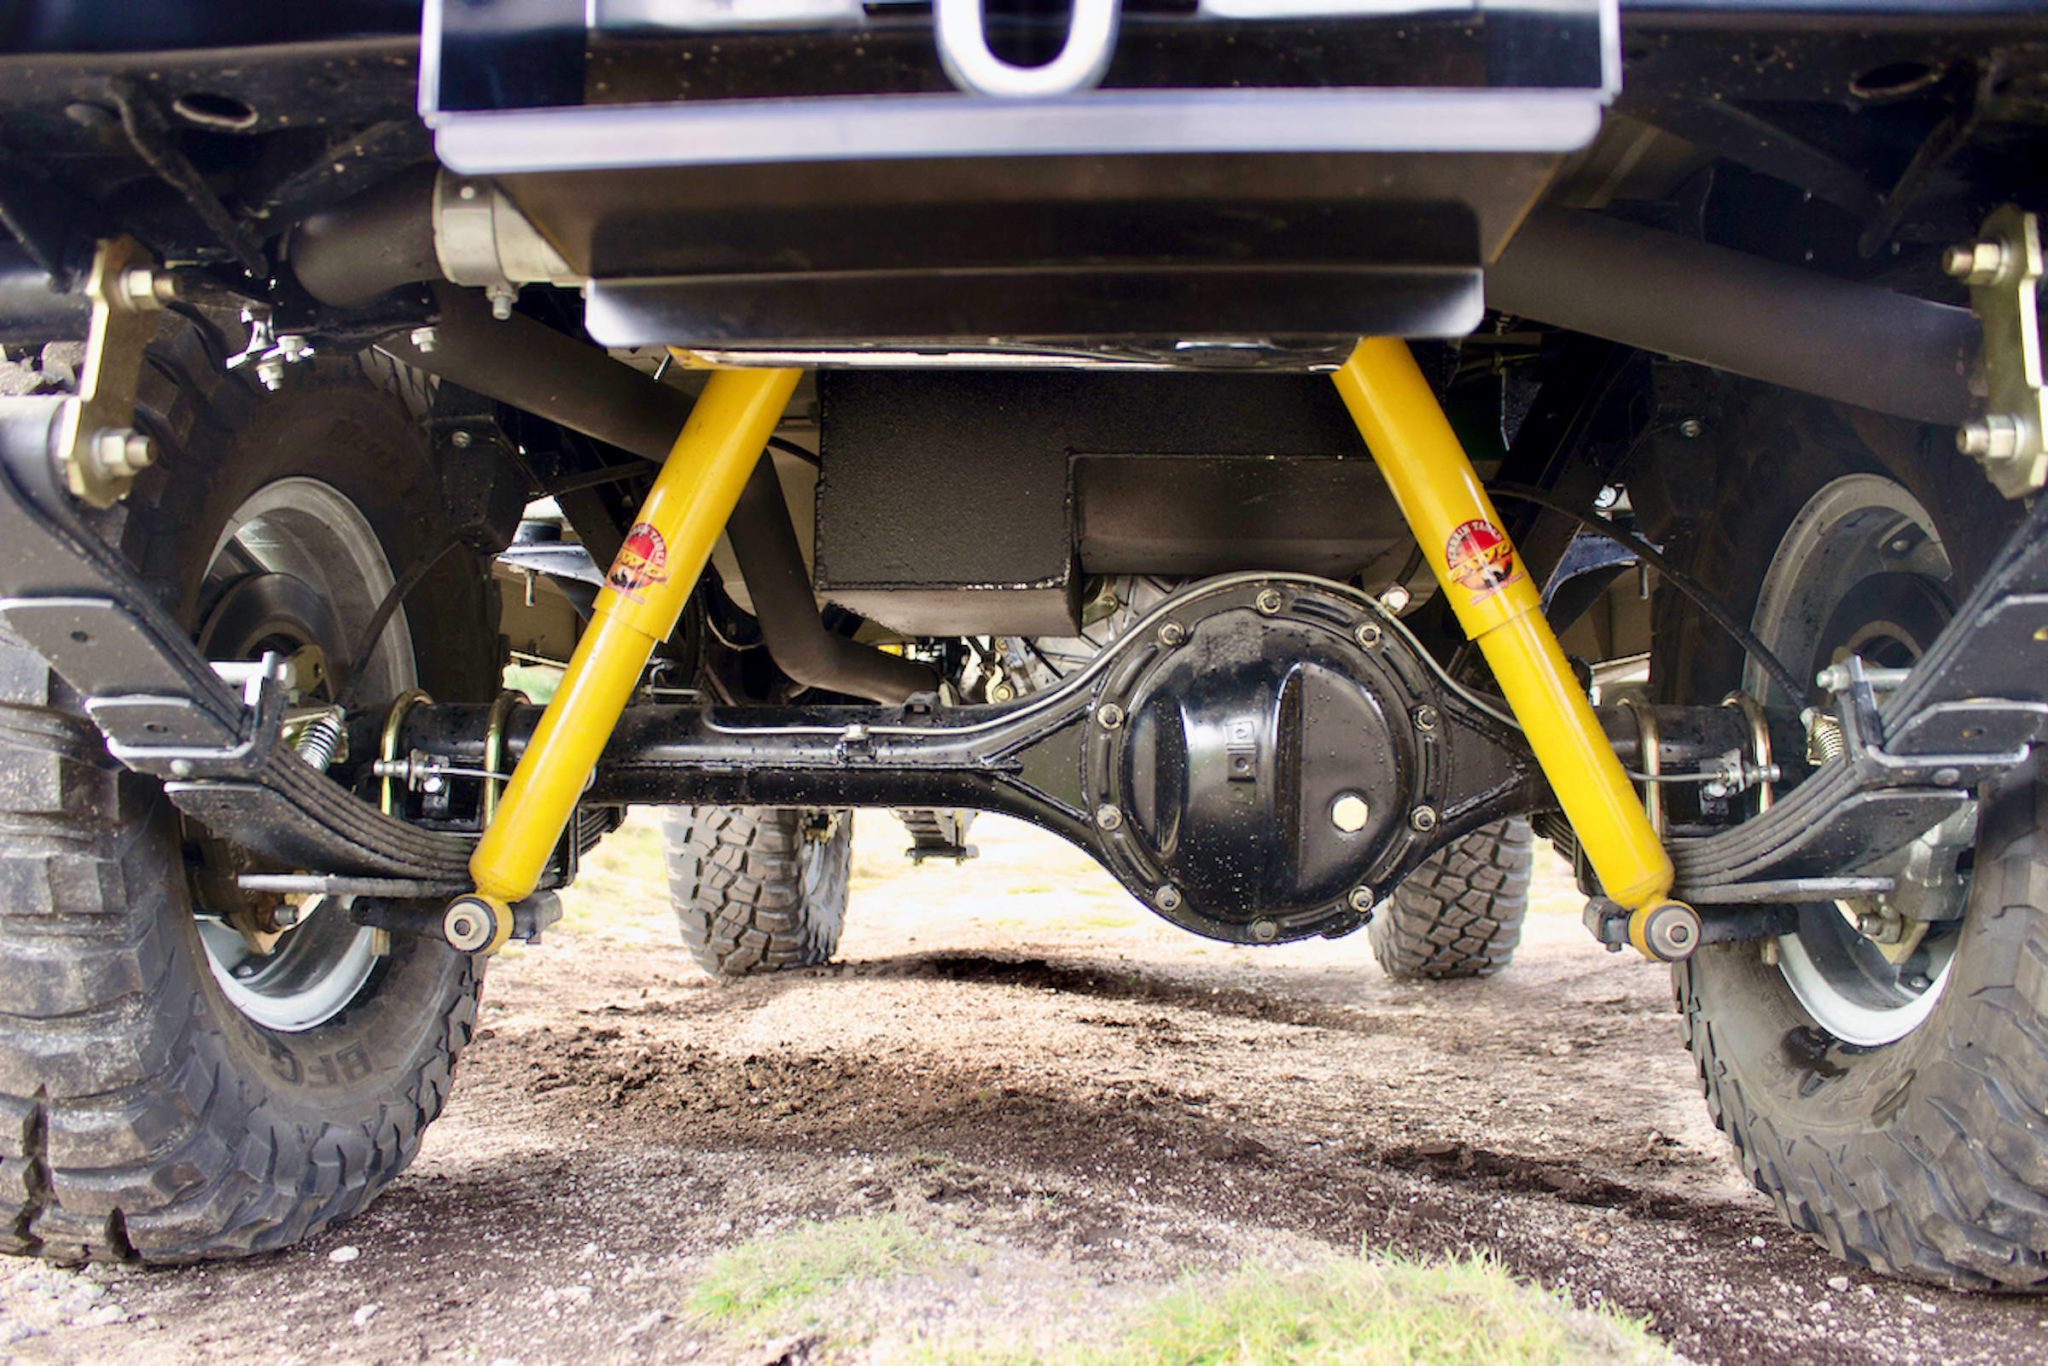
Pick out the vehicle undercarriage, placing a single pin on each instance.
(1272, 446)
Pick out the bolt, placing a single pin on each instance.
(1362, 899)
(424, 339)
(1368, 634)
(292, 345)
(1268, 601)
(1108, 817)
(1001, 692)
(181, 768)
(1980, 263)
(120, 452)
(1425, 718)
(243, 971)
(460, 440)
(1265, 931)
(1109, 715)
(1944, 777)
(270, 373)
(1672, 931)
(1994, 437)
(1172, 634)
(502, 298)
(1167, 898)
(142, 289)
(1607, 497)
(1396, 598)
(1423, 818)
(1350, 813)
(1691, 427)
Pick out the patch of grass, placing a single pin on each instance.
(1373, 1311)
(769, 1281)
(1468, 1312)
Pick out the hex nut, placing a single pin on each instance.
(1362, 899)
(1423, 818)
(1172, 634)
(1108, 817)
(424, 339)
(1425, 717)
(1368, 634)
(1987, 262)
(1994, 437)
(1267, 602)
(1265, 931)
(1109, 715)
(1167, 898)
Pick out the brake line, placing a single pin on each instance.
(1680, 580)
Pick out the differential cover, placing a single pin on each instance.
(1262, 757)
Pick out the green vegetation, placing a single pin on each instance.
(773, 1283)
(1373, 1312)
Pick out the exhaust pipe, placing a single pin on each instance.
(1660, 292)
(385, 238)
(525, 365)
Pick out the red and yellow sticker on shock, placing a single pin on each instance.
(1480, 558)
(641, 564)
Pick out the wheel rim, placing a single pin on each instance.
(1862, 570)
(297, 568)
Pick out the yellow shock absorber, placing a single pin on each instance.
(1499, 607)
(644, 593)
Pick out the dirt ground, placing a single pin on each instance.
(1017, 1055)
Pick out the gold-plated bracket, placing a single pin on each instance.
(100, 450)
(2003, 270)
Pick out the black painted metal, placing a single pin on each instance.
(526, 365)
(1668, 294)
(1202, 764)
(954, 503)
(32, 310)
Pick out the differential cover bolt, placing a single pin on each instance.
(1265, 931)
(1362, 900)
(1423, 818)
(1167, 898)
(1368, 634)
(1109, 715)
(1108, 817)
(1268, 601)
(1425, 717)
(1172, 634)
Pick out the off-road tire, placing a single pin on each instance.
(1460, 913)
(141, 1115)
(752, 891)
(1926, 1157)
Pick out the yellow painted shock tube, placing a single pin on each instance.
(1498, 605)
(644, 593)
